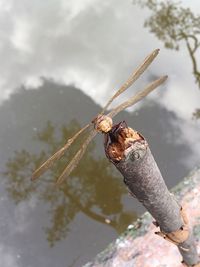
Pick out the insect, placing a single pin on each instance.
(102, 123)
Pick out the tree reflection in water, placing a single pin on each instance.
(175, 25)
(196, 114)
(93, 188)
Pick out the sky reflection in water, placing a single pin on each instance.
(94, 47)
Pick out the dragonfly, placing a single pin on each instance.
(102, 123)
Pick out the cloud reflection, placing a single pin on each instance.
(93, 46)
(9, 257)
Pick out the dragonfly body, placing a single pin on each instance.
(103, 123)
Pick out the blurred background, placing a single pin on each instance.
(60, 62)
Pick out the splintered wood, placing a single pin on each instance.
(131, 155)
(125, 137)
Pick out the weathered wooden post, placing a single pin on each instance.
(129, 152)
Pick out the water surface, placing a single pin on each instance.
(62, 62)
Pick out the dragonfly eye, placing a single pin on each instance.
(103, 124)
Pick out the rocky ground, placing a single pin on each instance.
(140, 247)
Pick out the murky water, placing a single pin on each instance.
(81, 51)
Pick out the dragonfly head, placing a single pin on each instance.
(103, 123)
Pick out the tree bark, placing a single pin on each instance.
(144, 181)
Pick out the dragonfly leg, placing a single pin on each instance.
(118, 126)
(114, 132)
(106, 141)
(111, 141)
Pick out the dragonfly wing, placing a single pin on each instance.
(74, 162)
(134, 76)
(136, 98)
(47, 164)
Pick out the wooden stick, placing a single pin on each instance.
(130, 154)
